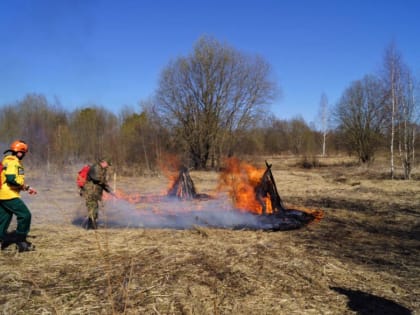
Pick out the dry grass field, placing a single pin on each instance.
(363, 257)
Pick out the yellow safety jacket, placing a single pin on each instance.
(12, 178)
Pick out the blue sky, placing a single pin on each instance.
(111, 53)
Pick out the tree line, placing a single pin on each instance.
(381, 110)
(213, 104)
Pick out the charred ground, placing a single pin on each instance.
(361, 258)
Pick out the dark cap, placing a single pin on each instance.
(106, 159)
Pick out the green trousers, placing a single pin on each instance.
(16, 207)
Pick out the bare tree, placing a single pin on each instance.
(324, 116)
(210, 95)
(36, 121)
(407, 124)
(359, 115)
(275, 135)
(392, 79)
(301, 137)
(400, 107)
(95, 130)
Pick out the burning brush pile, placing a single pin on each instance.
(255, 190)
(246, 198)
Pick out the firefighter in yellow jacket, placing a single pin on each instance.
(12, 183)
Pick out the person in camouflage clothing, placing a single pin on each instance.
(92, 191)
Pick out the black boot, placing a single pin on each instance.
(91, 224)
(23, 245)
(9, 239)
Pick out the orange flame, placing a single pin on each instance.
(240, 180)
(170, 166)
(317, 214)
(131, 197)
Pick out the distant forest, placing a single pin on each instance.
(139, 139)
(213, 104)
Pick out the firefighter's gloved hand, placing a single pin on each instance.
(108, 189)
(29, 189)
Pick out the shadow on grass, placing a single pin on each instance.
(373, 239)
(368, 304)
(383, 227)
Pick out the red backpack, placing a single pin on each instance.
(82, 176)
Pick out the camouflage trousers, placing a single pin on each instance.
(92, 206)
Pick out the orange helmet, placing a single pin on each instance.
(19, 146)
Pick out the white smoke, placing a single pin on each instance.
(159, 212)
(172, 213)
(176, 214)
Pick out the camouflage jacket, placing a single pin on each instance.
(96, 182)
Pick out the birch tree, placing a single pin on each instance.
(407, 124)
(323, 116)
(401, 109)
(392, 80)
